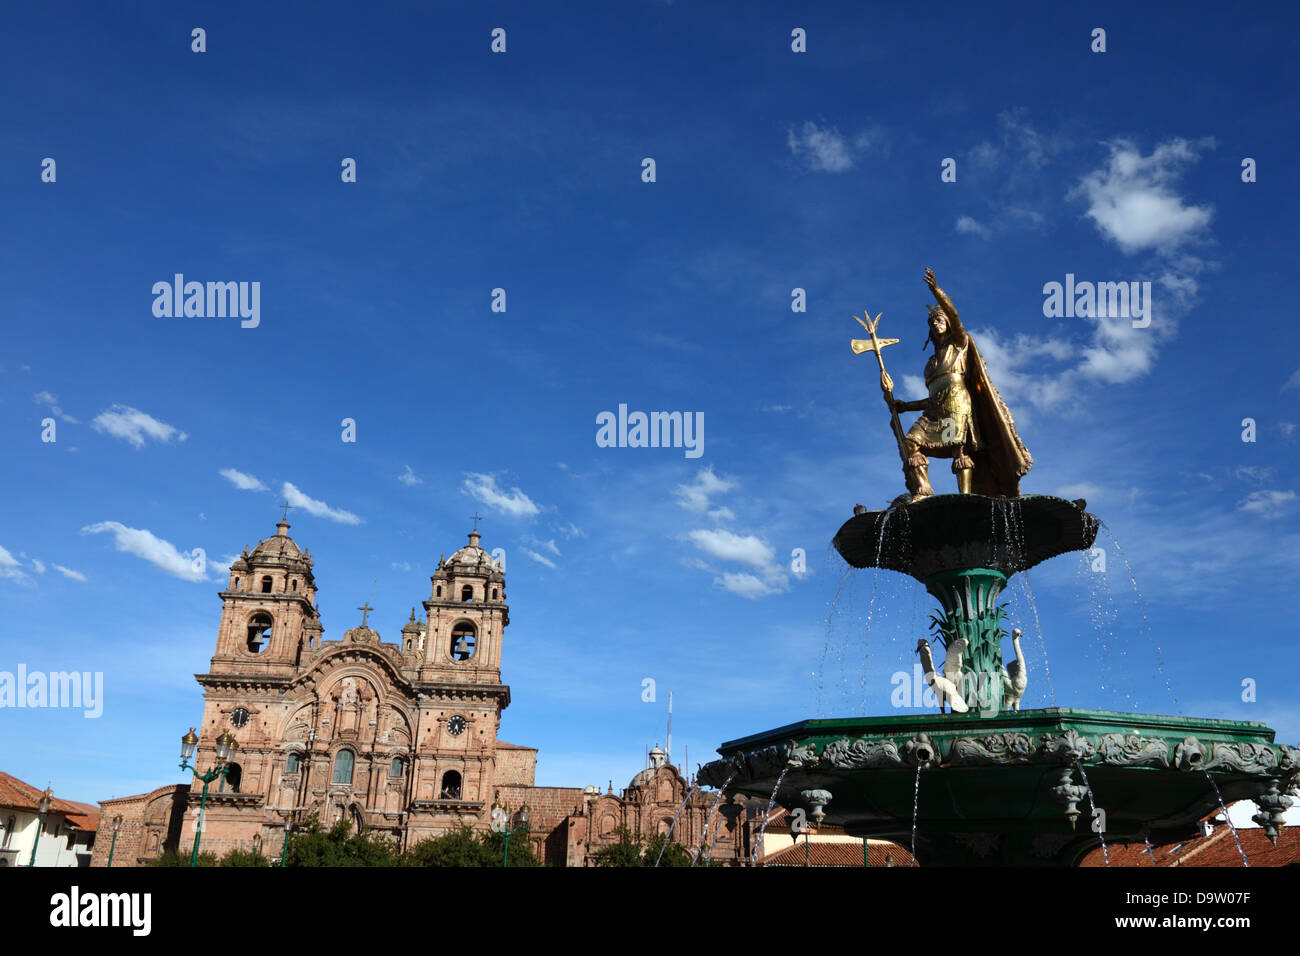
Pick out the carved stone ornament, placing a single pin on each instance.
(1130, 750)
(1242, 757)
(1070, 747)
(1069, 793)
(860, 754)
(998, 749)
(800, 757)
(1273, 805)
(1189, 755)
(921, 751)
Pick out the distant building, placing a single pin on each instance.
(397, 738)
(67, 837)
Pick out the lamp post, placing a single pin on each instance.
(284, 854)
(117, 825)
(501, 823)
(44, 808)
(226, 748)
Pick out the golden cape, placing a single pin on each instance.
(1001, 459)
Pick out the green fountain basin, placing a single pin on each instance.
(1008, 790)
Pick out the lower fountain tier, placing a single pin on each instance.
(1008, 790)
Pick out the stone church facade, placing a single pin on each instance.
(399, 739)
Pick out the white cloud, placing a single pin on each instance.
(694, 496)
(543, 545)
(38, 565)
(52, 401)
(401, 565)
(745, 549)
(1270, 504)
(409, 477)
(514, 502)
(144, 544)
(571, 530)
(969, 226)
(538, 558)
(825, 149)
(241, 480)
(1131, 200)
(1293, 381)
(318, 508)
(133, 425)
(9, 565)
(69, 573)
(746, 585)
(722, 514)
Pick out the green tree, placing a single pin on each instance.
(313, 845)
(244, 858)
(627, 851)
(463, 847)
(632, 850)
(177, 858)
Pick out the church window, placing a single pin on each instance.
(467, 593)
(259, 632)
(494, 594)
(439, 591)
(292, 763)
(463, 641)
(343, 767)
(234, 777)
(236, 584)
(293, 584)
(450, 785)
(398, 767)
(9, 831)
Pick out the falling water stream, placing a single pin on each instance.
(1092, 800)
(1244, 861)
(672, 826)
(704, 837)
(1038, 629)
(916, 802)
(758, 844)
(1146, 622)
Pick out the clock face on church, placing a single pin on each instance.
(239, 717)
(456, 726)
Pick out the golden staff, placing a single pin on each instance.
(886, 383)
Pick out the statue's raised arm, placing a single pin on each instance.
(945, 303)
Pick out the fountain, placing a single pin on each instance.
(1002, 786)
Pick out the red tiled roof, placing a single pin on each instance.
(23, 796)
(1218, 849)
(879, 853)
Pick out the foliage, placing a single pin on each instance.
(313, 845)
(177, 858)
(464, 847)
(632, 850)
(244, 858)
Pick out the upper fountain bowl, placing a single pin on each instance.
(960, 532)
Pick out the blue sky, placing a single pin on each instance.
(775, 170)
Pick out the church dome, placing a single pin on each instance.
(471, 558)
(279, 545)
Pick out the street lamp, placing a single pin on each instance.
(226, 748)
(44, 808)
(117, 825)
(501, 823)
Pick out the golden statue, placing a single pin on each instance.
(964, 417)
